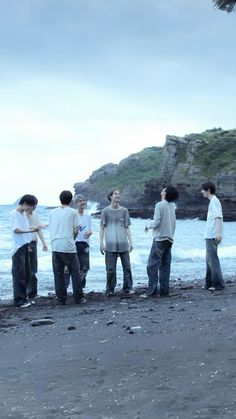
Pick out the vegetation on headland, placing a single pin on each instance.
(184, 161)
(134, 170)
(217, 152)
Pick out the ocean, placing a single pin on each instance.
(188, 254)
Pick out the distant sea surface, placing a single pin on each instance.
(188, 253)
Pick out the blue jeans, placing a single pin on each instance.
(158, 267)
(111, 261)
(214, 277)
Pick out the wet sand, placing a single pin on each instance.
(121, 357)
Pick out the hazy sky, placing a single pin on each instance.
(88, 82)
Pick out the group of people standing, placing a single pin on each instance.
(70, 230)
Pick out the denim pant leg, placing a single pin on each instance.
(76, 279)
(213, 265)
(83, 255)
(20, 275)
(154, 262)
(164, 269)
(33, 282)
(58, 264)
(111, 261)
(127, 274)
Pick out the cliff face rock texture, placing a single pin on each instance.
(186, 162)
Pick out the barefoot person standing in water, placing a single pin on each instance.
(213, 237)
(115, 222)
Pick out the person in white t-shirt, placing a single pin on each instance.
(82, 240)
(213, 237)
(64, 224)
(21, 237)
(33, 219)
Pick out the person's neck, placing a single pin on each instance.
(211, 196)
(115, 205)
(20, 209)
(81, 212)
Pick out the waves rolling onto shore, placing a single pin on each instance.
(188, 254)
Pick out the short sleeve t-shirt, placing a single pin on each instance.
(115, 221)
(19, 220)
(214, 211)
(33, 220)
(85, 225)
(63, 220)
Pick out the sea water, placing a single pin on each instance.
(188, 253)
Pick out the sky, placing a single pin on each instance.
(84, 83)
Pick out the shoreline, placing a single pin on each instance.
(122, 356)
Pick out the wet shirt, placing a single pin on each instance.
(115, 221)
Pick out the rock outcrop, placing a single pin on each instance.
(186, 162)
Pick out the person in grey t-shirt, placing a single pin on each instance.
(163, 226)
(115, 222)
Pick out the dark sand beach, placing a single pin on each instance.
(121, 357)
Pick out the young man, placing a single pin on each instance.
(21, 237)
(64, 224)
(82, 239)
(163, 227)
(213, 236)
(115, 222)
(33, 220)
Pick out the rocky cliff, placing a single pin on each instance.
(185, 162)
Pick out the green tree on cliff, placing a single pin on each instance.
(227, 5)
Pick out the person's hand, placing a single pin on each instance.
(218, 239)
(87, 234)
(146, 229)
(35, 229)
(131, 248)
(102, 249)
(45, 248)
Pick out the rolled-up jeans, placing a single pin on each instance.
(158, 267)
(214, 277)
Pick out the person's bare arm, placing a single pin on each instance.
(101, 237)
(128, 232)
(31, 230)
(42, 239)
(219, 228)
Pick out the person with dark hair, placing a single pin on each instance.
(213, 237)
(33, 219)
(21, 237)
(163, 227)
(115, 222)
(64, 224)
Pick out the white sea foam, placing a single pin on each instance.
(188, 253)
